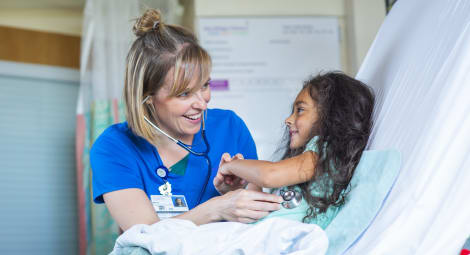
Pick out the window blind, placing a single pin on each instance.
(38, 212)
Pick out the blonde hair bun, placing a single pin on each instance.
(149, 21)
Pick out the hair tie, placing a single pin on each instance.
(155, 25)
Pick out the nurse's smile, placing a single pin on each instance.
(194, 119)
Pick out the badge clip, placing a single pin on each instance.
(165, 189)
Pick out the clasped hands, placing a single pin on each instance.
(225, 181)
(238, 203)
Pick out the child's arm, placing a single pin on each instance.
(225, 184)
(268, 174)
(251, 186)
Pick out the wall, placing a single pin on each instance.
(43, 32)
(363, 20)
(268, 7)
(37, 47)
(66, 21)
(359, 19)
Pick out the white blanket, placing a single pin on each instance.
(272, 236)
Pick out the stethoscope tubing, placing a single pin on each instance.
(187, 147)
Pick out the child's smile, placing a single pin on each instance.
(301, 121)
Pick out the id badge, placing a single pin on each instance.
(169, 206)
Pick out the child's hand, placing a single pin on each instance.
(225, 181)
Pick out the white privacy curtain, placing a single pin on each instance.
(106, 39)
(419, 66)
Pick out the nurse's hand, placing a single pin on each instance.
(246, 206)
(226, 183)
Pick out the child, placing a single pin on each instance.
(328, 129)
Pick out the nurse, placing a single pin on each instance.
(139, 171)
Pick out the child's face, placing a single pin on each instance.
(302, 119)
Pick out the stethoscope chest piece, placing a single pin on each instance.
(292, 198)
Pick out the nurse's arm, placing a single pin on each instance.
(241, 205)
(268, 174)
(129, 207)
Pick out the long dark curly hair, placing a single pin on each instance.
(344, 107)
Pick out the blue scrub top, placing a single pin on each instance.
(121, 160)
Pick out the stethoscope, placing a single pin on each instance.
(292, 198)
(163, 171)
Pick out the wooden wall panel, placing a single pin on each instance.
(39, 47)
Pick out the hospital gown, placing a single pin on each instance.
(299, 212)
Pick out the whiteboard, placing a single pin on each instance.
(259, 65)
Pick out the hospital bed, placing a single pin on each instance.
(419, 66)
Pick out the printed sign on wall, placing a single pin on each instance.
(259, 65)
